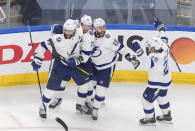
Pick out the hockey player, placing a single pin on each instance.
(159, 77)
(104, 56)
(66, 50)
(84, 24)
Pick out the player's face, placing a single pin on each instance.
(85, 27)
(100, 31)
(68, 33)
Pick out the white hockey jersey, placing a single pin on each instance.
(87, 45)
(105, 51)
(159, 74)
(67, 47)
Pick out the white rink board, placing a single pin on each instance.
(21, 41)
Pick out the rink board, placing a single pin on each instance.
(16, 54)
(119, 76)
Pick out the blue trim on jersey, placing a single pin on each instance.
(43, 45)
(86, 52)
(159, 83)
(99, 98)
(109, 27)
(45, 99)
(120, 47)
(165, 106)
(114, 58)
(149, 111)
(82, 95)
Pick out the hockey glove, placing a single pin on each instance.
(137, 49)
(159, 25)
(135, 62)
(57, 29)
(36, 64)
(74, 61)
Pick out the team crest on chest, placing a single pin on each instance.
(58, 39)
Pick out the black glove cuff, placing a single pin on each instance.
(81, 59)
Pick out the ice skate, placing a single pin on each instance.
(148, 121)
(165, 118)
(94, 114)
(83, 109)
(42, 112)
(89, 107)
(55, 103)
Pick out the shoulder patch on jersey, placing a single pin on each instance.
(107, 36)
(58, 39)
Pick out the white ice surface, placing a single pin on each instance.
(19, 110)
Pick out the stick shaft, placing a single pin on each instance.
(37, 73)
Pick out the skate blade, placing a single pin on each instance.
(150, 124)
(42, 119)
(165, 122)
(93, 121)
(52, 107)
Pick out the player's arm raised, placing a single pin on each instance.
(119, 47)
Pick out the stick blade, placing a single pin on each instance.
(62, 123)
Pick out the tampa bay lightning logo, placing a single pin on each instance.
(96, 52)
(58, 39)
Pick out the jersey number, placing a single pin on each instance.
(165, 65)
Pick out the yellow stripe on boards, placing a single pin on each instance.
(130, 76)
(22, 79)
(119, 76)
(183, 78)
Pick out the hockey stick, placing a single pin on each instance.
(60, 121)
(174, 59)
(37, 73)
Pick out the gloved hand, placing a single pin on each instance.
(137, 49)
(57, 29)
(159, 25)
(135, 62)
(73, 61)
(36, 64)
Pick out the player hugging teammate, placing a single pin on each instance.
(89, 56)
